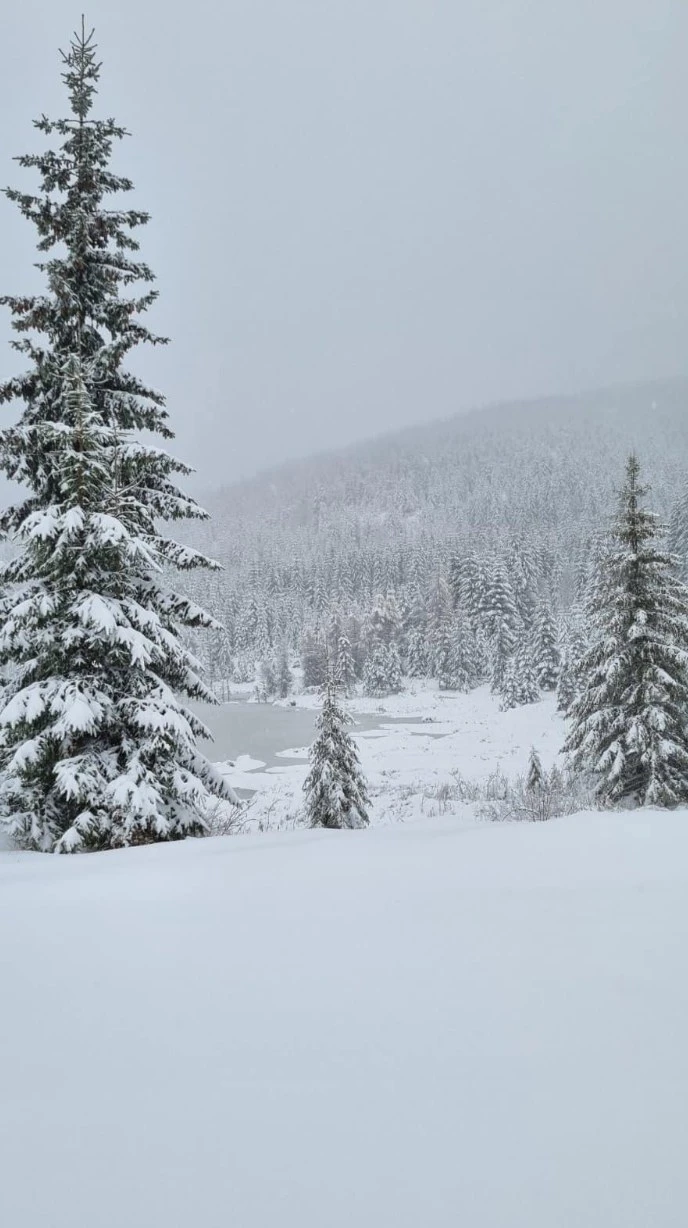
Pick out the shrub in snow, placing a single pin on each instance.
(335, 789)
(96, 748)
(629, 725)
(537, 798)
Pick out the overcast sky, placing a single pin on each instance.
(370, 213)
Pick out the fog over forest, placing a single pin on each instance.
(367, 215)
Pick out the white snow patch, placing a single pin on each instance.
(433, 1024)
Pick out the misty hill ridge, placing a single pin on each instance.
(496, 469)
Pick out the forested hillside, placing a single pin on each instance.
(494, 513)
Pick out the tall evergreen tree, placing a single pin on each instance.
(335, 789)
(499, 620)
(96, 750)
(630, 727)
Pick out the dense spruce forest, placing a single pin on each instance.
(460, 550)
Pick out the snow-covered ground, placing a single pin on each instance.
(423, 1025)
(446, 733)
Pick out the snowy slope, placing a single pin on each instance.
(430, 1024)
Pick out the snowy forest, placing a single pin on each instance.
(344, 812)
(481, 551)
(461, 551)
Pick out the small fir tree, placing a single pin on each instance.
(629, 726)
(335, 789)
(535, 774)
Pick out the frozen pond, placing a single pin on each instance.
(263, 730)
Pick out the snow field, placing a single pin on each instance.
(422, 1024)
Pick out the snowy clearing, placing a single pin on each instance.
(430, 1024)
(404, 763)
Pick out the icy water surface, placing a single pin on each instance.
(263, 730)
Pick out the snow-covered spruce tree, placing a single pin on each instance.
(630, 729)
(572, 650)
(499, 620)
(346, 666)
(509, 690)
(382, 673)
(96, 750)
(566, 686)
(313, 658)
(465, 655)
(443, 644)
(535, 774)
(417, 659)
(545, 649)
(266, 680)
(393, 667)
(335, 789)
(285, 678)
(526, 683)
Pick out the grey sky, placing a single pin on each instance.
(368, 213)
